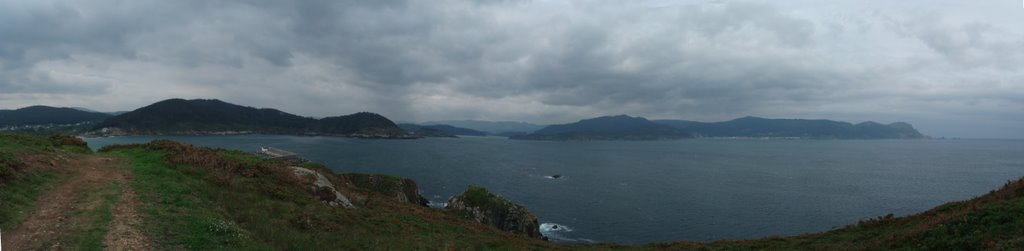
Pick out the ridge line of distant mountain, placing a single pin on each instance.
(211, 116)
(439, 130)
(623, 127)
(42, 115)
(215, 117)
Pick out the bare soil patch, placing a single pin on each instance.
(124, 230)
(51, 217)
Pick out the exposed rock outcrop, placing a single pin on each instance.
(323, 187)
(479, 205)
(401, 189)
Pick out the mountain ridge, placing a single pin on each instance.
(624, 127)
(42, 115)
(490, 127)
(449, 129)
(758, 127)
(619, 127)
(212, 116)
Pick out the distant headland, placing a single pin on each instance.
(215, 117)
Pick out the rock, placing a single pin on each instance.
(323, 185)
(401, 189)
(479, 205)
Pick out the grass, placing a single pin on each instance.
(15, 142)
(478, 195)
(93, 215)
(244, 157)
(9, 165)
(19, 196)
(192, 207)
(20, 186)
(176, 206)
(383, 184)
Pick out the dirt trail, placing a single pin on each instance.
(124, 228)
(50, 220)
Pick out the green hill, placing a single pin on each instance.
(623, 127)
(619, 127)
(44, 115)
(800, 128)
(179, 115)
(490, 127)
(445, 129)
(200, 116)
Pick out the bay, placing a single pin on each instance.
(635, 192)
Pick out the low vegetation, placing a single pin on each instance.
(23, 176)
(199, 198)
(92, 214)
(18, 196)
(481, 206)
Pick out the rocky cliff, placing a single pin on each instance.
(477, 204)
(322, 186)
(401, 189)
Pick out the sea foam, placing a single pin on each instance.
(556, 232)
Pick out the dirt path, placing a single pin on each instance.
(124, 229)
(51, 218)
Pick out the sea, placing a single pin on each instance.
(636, 192)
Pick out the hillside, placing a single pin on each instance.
(180, 197)
(490, 127)
(179, 115)
(167, 195)
(363, 124)
(624, 127)
(43, 115)
(198, 116)
(620, 127)
(800, 128)
(451, 130)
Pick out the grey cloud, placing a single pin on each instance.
(545, 61)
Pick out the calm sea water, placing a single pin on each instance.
(659, 191)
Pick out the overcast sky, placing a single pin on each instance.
(951, 68)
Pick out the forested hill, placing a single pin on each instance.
(207, 116)
(43, 115)
(795, 128)
(624, 127)
(447, 129)
(619, 127)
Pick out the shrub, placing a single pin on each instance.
(67, 140)
(9, 166)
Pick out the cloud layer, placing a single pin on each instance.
(949, 67)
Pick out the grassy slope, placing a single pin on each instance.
(18, 197)
(29, 170)
(20, 184)
(234, 201)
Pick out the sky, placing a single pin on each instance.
(951, 68)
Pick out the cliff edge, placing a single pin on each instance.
(477, 204)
